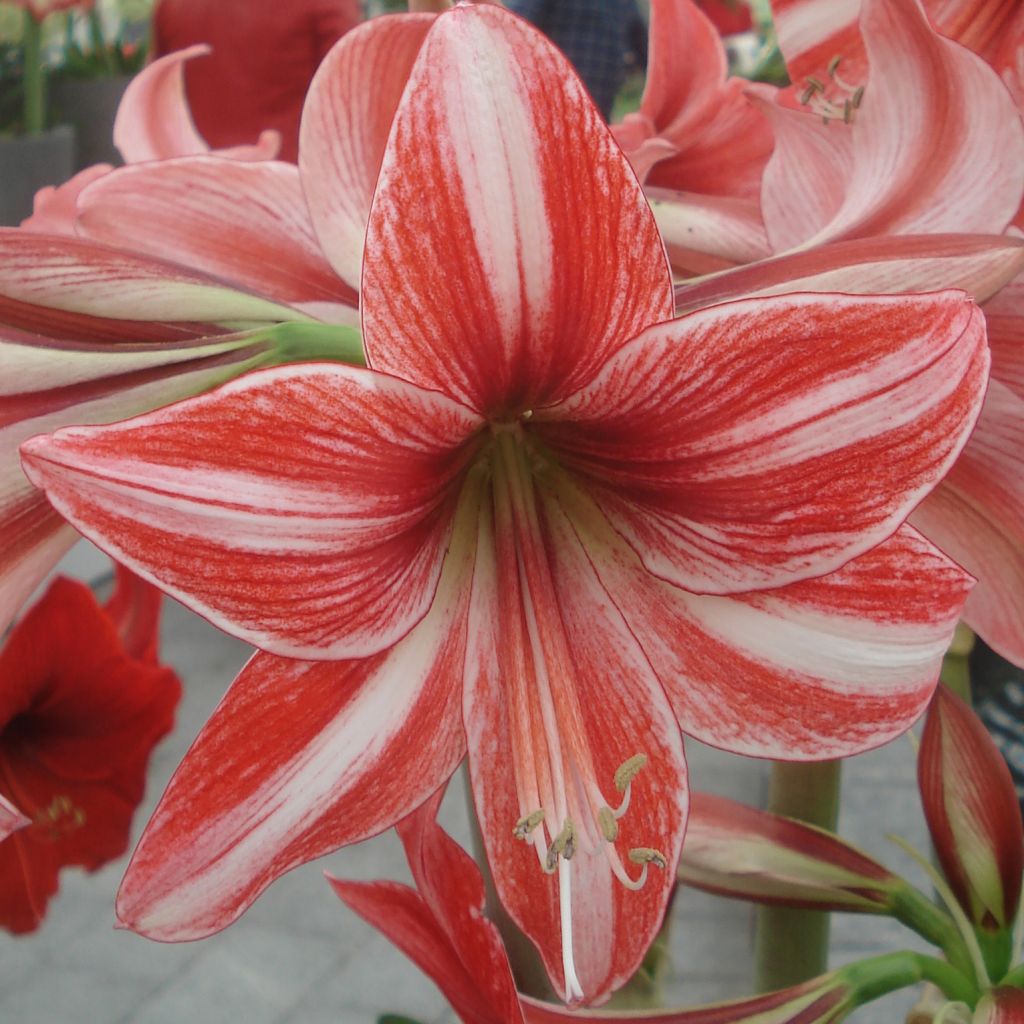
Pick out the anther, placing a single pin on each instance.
(628, 771)
(833, 64)
(858, 95)
(816, 83)
(847, 111)
(526, 824)
(647, 855)
(609, 825)
(563, 845)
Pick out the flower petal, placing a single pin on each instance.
(55, 207)
(81, 277)
(246, 223)
(704, 234)
(816, 670)
(357, 745)
(976, 515)
(1004, 318)
(924, 130)
(883, 265)
(537, 258)
(345, 127)
(154, 122)
(404, 917)
(315, 528)
(49, 384)
(558, 689)
(761, 442)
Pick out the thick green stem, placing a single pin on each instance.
(35, 76)
(792, 945)
(955, 669)
(916, 911)
(880, 975)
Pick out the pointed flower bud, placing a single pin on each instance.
(972, 812)
(737, 851)
(1001, 1005)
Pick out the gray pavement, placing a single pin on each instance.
(300, 957)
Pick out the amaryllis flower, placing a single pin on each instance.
(83, 702)
(441, 926)
(695, 130)
(547, 525)
(153, 123)
(972, 811)
(294, 234)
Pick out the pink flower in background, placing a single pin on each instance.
(547, 526)
(40, 9)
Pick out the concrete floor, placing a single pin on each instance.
(300, 956)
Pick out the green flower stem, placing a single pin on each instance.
(955, 671)
(792, 945)
(35, 76)
(871, 979)
(299, 342)
(910, 906)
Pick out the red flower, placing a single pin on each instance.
(82, 704)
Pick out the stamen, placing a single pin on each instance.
(628, 771)
(563, 845)
(817, 83)
(833, 64)
(526, 824)
(858, 95)
(609, 824)
(647, 855)
(847, 112)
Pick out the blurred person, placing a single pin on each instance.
(264, 55)
(603, 39)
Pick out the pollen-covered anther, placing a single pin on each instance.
(646, 855)
(833, 107)
(527, 823)
(623, 780)
(608, 824)
(563, 845)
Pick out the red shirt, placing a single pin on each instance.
(264, 55)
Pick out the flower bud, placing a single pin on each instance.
(1001, 1005)
(972, 812)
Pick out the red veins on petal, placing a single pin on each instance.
(972, 812)
(79, 717)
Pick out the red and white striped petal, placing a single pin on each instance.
(1004, 318)
(345, 126)
(816, 670)
(11, 819)
(86, 279)
(403, 916)
(757, 443)
(705, 234)
(47, 385)
(1003, 1004)
(558, 696)
(884, 265)
(246, 223)
(976, 515)
(305, 509)
(356, 746)
(154, 122)
(924, 130)
(536, 255)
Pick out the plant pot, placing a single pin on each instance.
(27, 163)
(89, 105)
